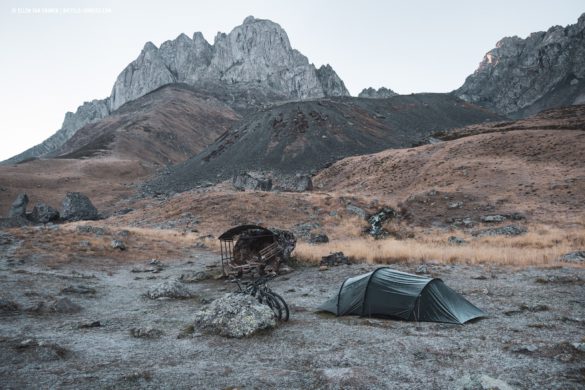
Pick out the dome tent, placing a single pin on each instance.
(385, 292)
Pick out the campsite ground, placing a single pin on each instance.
(533, 337)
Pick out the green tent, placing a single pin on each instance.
(385, 292)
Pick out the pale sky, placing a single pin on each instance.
(68, 52)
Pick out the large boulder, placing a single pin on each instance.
(43, 213)
(235, 315)
(18, 208)
(78, 207)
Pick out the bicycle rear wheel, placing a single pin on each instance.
(282, 304)
(271, 302)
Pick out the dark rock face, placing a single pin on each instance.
(377, 220)
(381, 93)
(333, 259)
(574, 257)
(319, 238)
(78, 207)
(523, 76)
(510, 230)
(246, 181)
(18, 208)
(43, 213)
(297, 183)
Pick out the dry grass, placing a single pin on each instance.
(541, 247)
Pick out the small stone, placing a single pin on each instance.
(79, 289)
(118, 244)
(453, 240)
(493, 218)
(323, 268)
(65, 306)
(573, 257)
(94, 324)
(422, 269)
(146, 333)
(194, 277)
(455, 205)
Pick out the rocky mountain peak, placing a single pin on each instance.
(523, 76)
(257, 52)
(381, 93)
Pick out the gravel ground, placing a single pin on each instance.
(533, 338)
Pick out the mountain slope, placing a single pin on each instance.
(165, 126)
(523, 76)
(535, 167)
(302, 137)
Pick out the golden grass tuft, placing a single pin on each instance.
(541, 247)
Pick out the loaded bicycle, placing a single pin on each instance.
(259, 289)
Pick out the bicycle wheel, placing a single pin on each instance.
(271, 302)
(282, 304)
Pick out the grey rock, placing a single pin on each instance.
(481, 382)
(194, 277)
(455, 205)
(253, 182)
(146, 333)
(296, 183)
(381, 93)
(7, 306)
(235, 315)
(18, 207)
(573, 257)
(78, 207)
(98, 231)
(118, 244)
(377, 220)
(318, 238)
(357, 211)
(333, 259)
(493, 218)
(78, 289)
(65, 306)
(43, 351)
(43, 213)
(509, 230)
(523, 76)
(453, 240)
(422, 269)
(169, 289)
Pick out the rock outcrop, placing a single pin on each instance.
(523, 76)
(78, 207)
(381, 93)
(18, 208)
(254, 56)
(256, 53)
(43, 213)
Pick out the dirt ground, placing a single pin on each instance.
(533, 337)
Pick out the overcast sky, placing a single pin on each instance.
(68, 52)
